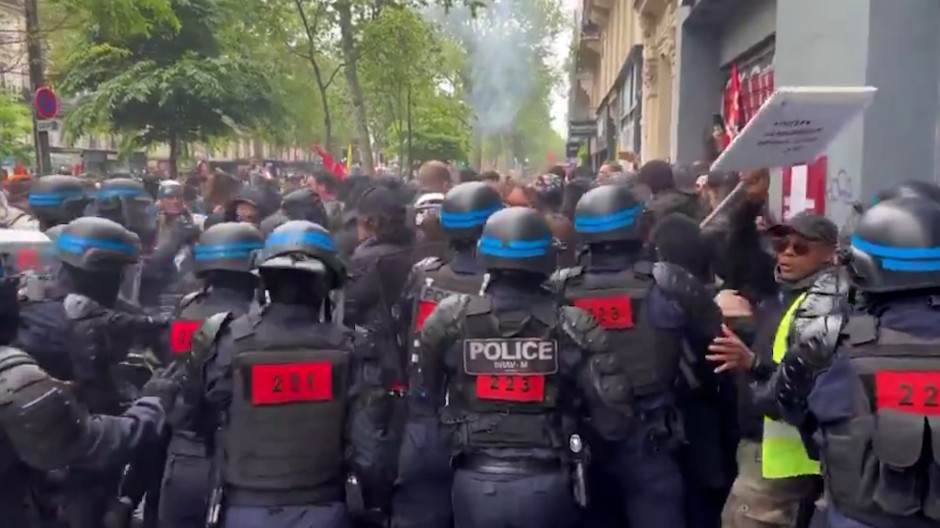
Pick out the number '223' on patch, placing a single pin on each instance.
(514, 388)
(614, 312)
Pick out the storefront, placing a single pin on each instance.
(631, 103)
(604, 146)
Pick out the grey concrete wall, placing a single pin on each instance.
(747, 27)
(893, 46)
(904, 63)
(697, 89)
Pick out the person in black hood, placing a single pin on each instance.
(658, 176)
(383, 233)
(379, 268)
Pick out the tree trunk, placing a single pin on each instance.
(476, 154)
(348, 46)
(322, 84)
(411, 154)
(174, 155)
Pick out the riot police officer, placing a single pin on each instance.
(635, 425)
(126, 201)
(223, 259)
(175, 277)
(506, 372)
(43, 427)
(289, 390)
(907, 189)
(422, 494)
(57, 200)
(75, 335)
(868, 383)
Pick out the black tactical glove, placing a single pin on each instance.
(188, 232)
(165, 385)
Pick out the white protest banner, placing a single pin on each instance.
(794, 126)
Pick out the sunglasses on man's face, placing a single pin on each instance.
(800, 247)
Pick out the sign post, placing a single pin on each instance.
(45, 107)
(46, 103)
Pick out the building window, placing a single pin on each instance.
(756, 80)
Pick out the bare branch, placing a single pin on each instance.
(333, 75)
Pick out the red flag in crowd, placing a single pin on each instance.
(733, 106)
(337, 168)
(551, 158)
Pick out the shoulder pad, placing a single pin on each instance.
(692, 296)
(80, 307)
(475, 305)
(17, 374)
(582, 329)
(644, 269)
(13, 357)
(449, 312)
(860, 329)
(429, 264)
(43, 422)
(445, 322)
(189, 298)
(210, 329)
(677, 283)
(558, 279)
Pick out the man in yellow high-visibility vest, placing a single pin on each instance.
(778, 480)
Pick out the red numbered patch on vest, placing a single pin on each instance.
(908, 392)
(511, 388)
(27, 259)
(181, 335)
(291, 383)
(610, 312)
(424, 310)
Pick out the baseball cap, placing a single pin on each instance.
(810, 226)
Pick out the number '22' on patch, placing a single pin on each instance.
(912, 392)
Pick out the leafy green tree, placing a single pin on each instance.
(409, 87)
(175, 83)
(16, 128)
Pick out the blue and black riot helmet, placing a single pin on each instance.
(304, 246)
(466, 208)
(908, 189)
(610, 213)
(896, 246)
(229, 246)
(97, 245)
(125, 201)
(58, 199)
(517, 238)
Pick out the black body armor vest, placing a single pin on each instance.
(435, 282)
(286, 422)
(882, 466)
(648, 357)
(503, 387)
